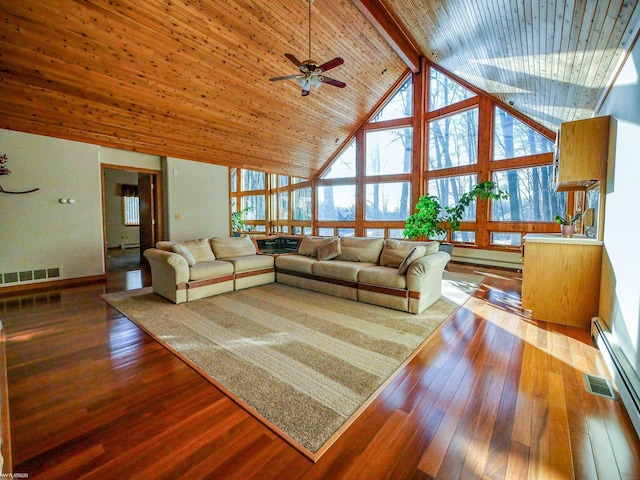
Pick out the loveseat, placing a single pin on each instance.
(186, 271)
(397, 274)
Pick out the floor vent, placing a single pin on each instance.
(599, 386)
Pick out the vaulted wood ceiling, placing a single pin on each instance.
(189, 78)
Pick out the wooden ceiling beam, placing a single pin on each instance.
(380, 17)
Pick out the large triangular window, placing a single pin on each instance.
(444, 91)
(344, 166)
(398, 106)
(513, 138)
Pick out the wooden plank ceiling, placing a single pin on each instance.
(550, 59)
(189, 78)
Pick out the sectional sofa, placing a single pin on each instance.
(398, 274)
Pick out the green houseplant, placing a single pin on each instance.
(567, 227)
(432, 220)
(237, 221)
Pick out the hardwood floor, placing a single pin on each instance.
(494, 395)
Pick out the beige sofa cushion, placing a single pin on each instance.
(412, 256)
(194, 251)
(184, 251)
(309, 245)
(329, 250)
(296, 263)
(232, 247)
(395, 251)
(382, 277)
(359, 249)
(246, 263)
(210, 269)
(340, 269)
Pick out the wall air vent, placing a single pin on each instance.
(30, 275)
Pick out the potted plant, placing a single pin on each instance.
(431, 220)
(237, 221)
(568, 227)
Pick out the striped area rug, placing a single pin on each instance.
(304, 363)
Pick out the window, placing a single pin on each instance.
(253, 180)
(506, 239)
(450, 189)
(344, 166)
(388, 151)
(387, 201)
(283, 205)
(399, 106)
(532, 197)
(257, 205)
(464, 236)
(512, 138)
(375, 232)
(302, 205)
(443, 91)
(337, 202)
(326, 232)
(131, 210)
(453, 140)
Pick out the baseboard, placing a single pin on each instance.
(67, 282)
(624, 376)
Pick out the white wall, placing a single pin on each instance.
(620, 297)
(197, 200)
(38, 232)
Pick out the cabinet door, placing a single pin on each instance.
(561, 282)
(583, 150)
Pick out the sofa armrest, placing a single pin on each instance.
(425, 277)
(168, 271)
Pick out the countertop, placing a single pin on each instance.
(558, 238)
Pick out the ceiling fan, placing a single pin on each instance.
(311, 74)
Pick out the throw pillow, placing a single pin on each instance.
(183, 251)
(232, 247)
(309, 245)
(412, 256)
(329, 250)
(360, 249)
(199, 249)
(395, 251)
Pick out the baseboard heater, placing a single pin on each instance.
(129, 245)
(623, 373)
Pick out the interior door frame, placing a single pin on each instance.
(158, 200)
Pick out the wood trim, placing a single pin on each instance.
(414, 295)
(7, 466)
(209, 281)
(381, 18)
(253, 273)
(396, 292)
(334, 281)
(181, 286)
(67, 282)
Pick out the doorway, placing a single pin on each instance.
(132, 213)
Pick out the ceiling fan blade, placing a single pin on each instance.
(331, 64)
(305, 93)
(294, 60)
(287, 77)
(331, 81)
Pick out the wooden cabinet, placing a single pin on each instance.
(582, 151)
(561, 278)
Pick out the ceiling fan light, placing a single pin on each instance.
(315, 81)
(304, 83)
